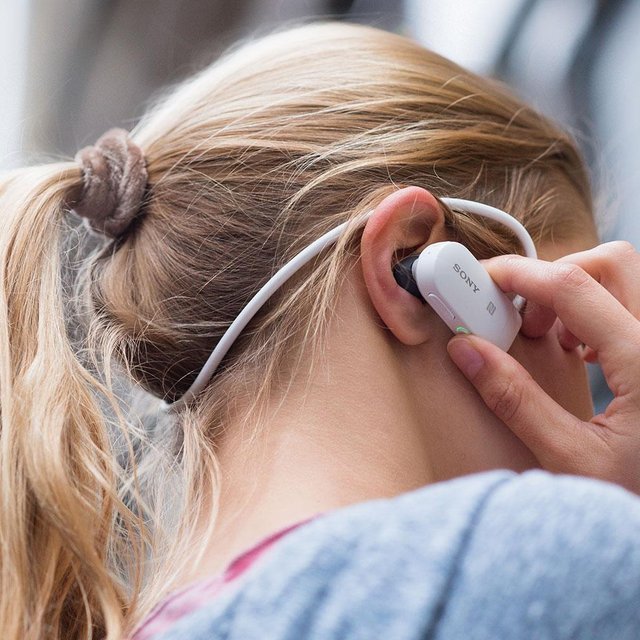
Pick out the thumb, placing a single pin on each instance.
(557, 438)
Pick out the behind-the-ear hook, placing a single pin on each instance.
(302, 258)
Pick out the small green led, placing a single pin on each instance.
(462, 330)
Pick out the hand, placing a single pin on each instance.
(595, 296)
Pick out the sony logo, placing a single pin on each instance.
(463, 274)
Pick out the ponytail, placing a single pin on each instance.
(60, 509)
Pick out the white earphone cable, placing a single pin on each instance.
(302, 258)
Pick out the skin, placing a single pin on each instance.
(374, 420)
(590, 301)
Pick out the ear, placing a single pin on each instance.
(403, 223)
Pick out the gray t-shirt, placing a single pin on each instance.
(490, 556)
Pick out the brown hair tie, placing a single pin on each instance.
(115, 181)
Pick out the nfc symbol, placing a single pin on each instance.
(491, 308)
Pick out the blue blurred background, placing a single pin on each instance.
(71, 69)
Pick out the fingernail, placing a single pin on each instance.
(467, 359)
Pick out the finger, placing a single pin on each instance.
(587, 309)
(566, 339)
(537, 320)
(559, 440)
(615, 265)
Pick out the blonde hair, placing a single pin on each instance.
(248, 162)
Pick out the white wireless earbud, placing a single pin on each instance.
(459, 289)
(450, 279)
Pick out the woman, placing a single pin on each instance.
(339, 392)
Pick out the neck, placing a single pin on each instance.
(371, 421)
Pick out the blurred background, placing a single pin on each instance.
(71, 69)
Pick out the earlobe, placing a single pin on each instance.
(404, 222)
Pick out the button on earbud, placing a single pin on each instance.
(440, 307)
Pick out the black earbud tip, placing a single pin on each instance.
(403, 274)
